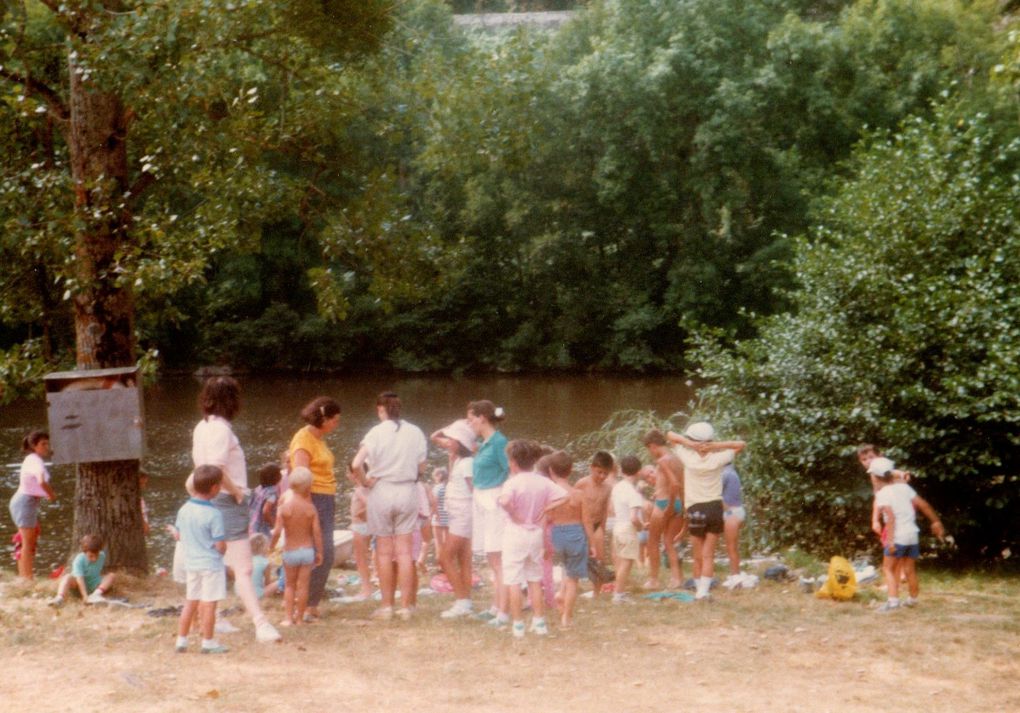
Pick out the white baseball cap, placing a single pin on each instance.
(880, 466)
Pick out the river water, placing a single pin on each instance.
(554, 409)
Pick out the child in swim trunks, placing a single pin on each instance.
(667, 519)
(298, 521)
(570, 545)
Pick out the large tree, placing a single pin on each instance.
(140, 138)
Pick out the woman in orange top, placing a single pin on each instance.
(308, 448)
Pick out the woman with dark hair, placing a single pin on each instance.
(308, 448)
(213, 443)
(33, 486)
(395, 453)
(491, 469)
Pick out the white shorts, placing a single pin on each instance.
(459, 516)
(207, 585)
(392, 508)
(180, 574)
(522, 554)
(738, 513)
(489, 521)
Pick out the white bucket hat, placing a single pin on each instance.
(461, 432)
(700, 431)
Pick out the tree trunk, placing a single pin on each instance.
(106, 494)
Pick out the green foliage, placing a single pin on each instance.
(623, 434)
(904, 333)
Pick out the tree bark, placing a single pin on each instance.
(106, 494)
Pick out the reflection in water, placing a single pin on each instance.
(555, 410)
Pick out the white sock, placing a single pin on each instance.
(182, 641)
(210, 643)
(704, 583)
(464, 603)
(894, 601)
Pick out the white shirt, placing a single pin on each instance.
(703, 474)
(625, 498)
(214, 443)
(457, 484)
(33, 475)
(393, 453)
(899, 497)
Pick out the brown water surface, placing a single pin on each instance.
(555, 410)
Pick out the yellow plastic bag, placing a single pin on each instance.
(841, 583)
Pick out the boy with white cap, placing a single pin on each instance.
(703, 459)
(897, 502)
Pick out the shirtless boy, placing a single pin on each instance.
(667, 520)
(595, 489)
(297, 519)
(570, 544)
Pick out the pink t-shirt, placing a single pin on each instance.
(525, 497)
(33, 475)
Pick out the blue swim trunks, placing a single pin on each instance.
(678, 506)
(902, 551)
(570, 546)
(299, 557)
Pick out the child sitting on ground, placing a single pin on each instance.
(526, 498)
(202, 546)
(261, 571)
(896, 502)
(629, 507)
(86, 575)
(298, 521)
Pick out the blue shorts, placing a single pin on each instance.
(299, 557)
(25, 510)
(570, 545)
(663, 504)
(902, 551)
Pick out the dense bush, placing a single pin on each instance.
(905, 331)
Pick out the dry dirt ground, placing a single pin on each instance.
(774, 648)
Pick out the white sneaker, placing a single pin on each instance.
(518, 629)
(56, 602)
(456, 611)
(733, 581)
(748, 580)
(95, 598)
(266, 633)
(225, 627)
(498, 621)
(539, 627)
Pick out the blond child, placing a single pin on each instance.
(298, 521)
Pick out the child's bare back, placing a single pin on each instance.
(300, 522)
(570, 512)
